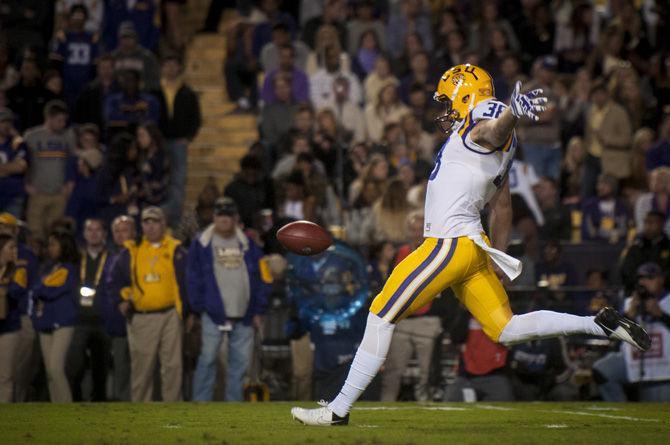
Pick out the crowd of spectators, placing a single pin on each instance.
(95, 123)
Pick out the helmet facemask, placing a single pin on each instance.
(446, 121)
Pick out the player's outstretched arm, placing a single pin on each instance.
(493, 133)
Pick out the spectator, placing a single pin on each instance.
(334, 14)
(130, 106)
(154, 166)
(651, 244)
(179, 123)
(321, 83)
(297, 202)
(241, 67)
(89, 338)
(346, 112)
(510, 73)
(26, 24)
(575, 105)
(390, 213)
(420, 143)
(482, 372)
(50, 177)
(118, 180)
(90, 103)
(608, 137)
(83, 202)
(153, 271)
(540, 371)
(262, 32)
(542, 139)
(94, 17)
(130, 56)
(659, 154)
(270, 58)
(250, 190)
(522, 182)
(55, 310)
(367, 53)
(53, 82)
(643, 140)
(142, 16)
(319, 186)
(74, 51)
(378, 79)
(123, 230)
(376, 173)
(572, 171)
(421, 74)
(287, 68)
(416, 333)
(196, 220)
(576, 34)
(649, 304)
(657, 199)
(604, 216)
(273, 119)
(420, 107)
(385, 110)
(382, 256)
(498, 49)
(26, 354)
(228, 288)
(553, 271)
(557, 218)
(455, 50)
(28, 97)
(410, 18)
(363, 22)
(286, 164)
(8, 74)
(13, 287)
(13, 166)
(484, 25)
(326, 37)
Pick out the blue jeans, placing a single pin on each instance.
(240, 341)
(177, 150)
(545, 159)
(613, 368)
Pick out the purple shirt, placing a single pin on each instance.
(299, 87)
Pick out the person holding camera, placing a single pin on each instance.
(649, 305)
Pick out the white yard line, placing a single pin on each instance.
(405, 408)
(555, 425)
(605, 416)
(494, 408)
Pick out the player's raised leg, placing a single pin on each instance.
(486, 299)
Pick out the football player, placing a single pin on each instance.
(470, 172)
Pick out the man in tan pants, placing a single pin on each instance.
(148, 279)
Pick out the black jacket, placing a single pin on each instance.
(185, 120)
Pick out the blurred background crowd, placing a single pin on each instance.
(114, 286)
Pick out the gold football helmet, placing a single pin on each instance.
(460, 89)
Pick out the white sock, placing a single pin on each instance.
(365, 366)
(543, 324)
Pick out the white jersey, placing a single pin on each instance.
(465, 177)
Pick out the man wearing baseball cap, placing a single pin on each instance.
(228, 284)
(649, 305)
(13, 165)
(149, 277)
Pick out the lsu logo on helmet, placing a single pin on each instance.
(461, 88)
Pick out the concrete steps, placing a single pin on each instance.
(224, 137)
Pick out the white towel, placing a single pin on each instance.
(511, 266)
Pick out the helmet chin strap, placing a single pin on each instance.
(472, 102)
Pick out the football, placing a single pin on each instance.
(304, 238)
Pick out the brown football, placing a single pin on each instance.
(304, 238)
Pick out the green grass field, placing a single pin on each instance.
(371, 423)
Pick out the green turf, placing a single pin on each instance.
(371, 423)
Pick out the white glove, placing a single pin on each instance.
(528, 104)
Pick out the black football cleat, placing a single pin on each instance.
(621, 328)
